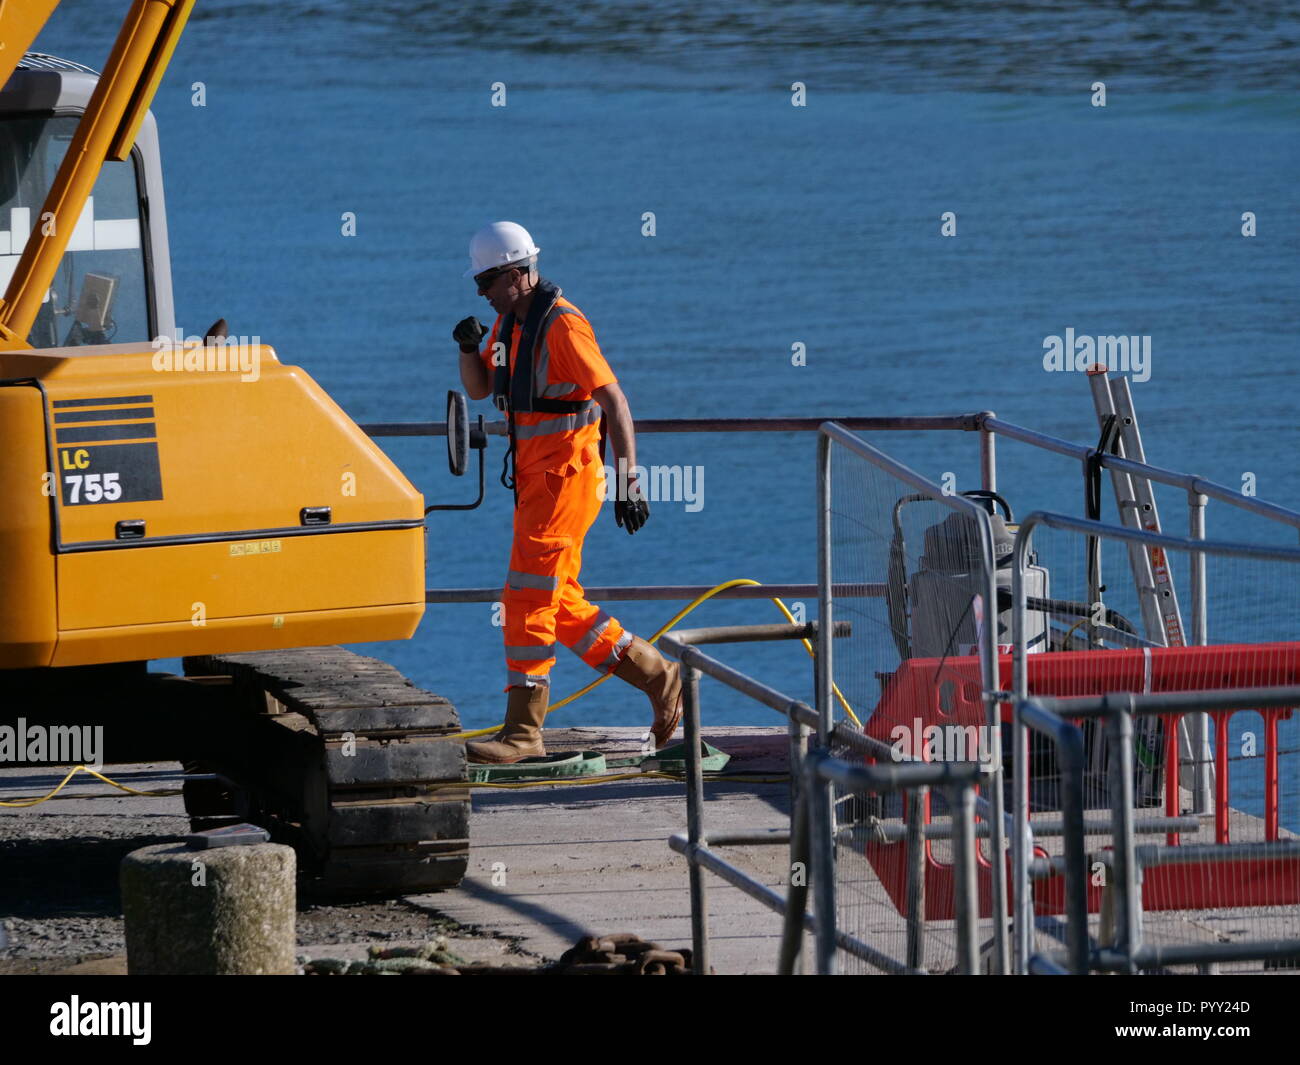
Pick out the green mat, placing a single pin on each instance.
(551, 766)
(672, 759)
(592, 763)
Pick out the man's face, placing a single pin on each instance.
(503, 288)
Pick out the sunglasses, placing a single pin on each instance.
(486, 280)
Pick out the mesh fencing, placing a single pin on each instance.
(886, 538)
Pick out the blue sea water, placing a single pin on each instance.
(775, 225)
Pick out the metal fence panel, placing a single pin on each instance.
(910, 566)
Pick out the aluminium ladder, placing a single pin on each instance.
(1161, 617)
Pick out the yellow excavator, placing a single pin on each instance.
(165, 498)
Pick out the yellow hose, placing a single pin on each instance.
(738, 581)
(72, 773)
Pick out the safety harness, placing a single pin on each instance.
(516, 391)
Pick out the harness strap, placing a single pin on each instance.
(515, 389)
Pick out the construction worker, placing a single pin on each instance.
(544, 370)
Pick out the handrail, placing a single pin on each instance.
(1188, 482)
(1063, 522)
(698, 847)
(984, 422)
(694, 845)
(1069, 744)
(904, 423)
(671, 592)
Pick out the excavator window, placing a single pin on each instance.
(100, 293)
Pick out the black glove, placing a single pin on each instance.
(469, 333)
(631, 514)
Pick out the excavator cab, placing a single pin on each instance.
(113, 284)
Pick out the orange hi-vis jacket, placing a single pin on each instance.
(567, 366)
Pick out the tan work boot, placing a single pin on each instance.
(522, 735)
(645, 668)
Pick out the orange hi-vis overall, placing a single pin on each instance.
(559, 483)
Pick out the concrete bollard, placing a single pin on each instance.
(225, 910)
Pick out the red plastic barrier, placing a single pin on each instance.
(930, 706)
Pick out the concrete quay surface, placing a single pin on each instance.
(551, 864)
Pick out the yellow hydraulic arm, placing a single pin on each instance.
(107, 131)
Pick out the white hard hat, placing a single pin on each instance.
(499, 244)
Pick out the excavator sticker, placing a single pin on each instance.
(107, 450)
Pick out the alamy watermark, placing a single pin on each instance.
(194, 354)
(52, 744)
(919, 742)
(77, 1018)
(1125, 354)
(667, 484)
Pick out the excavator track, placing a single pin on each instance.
(346, 760)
